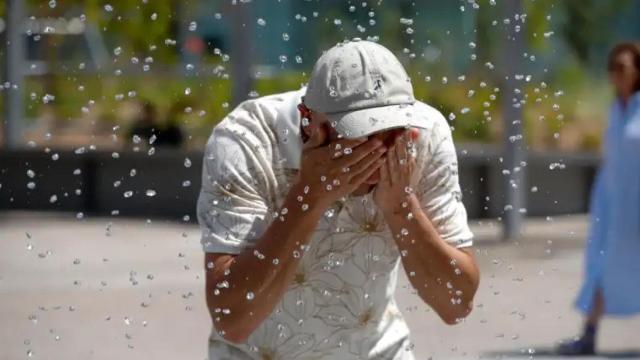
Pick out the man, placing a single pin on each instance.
(304, 239)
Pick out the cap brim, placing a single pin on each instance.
(364, 122)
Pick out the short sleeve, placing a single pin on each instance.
(438, 188)
(232, 210)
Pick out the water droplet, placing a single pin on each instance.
(150, 192)
(515, 138)
(262, 22)
(250, 296)
(406, 21)
(329, 213)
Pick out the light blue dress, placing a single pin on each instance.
(613, 245)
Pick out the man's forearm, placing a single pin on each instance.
(445, 277)
(265, 270)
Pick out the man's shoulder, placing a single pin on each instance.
(262, 111)
(278, 102)
(436, 126)
(432, 115)
(282, 97)
(254, 121)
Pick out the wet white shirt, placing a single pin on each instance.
(340, 304)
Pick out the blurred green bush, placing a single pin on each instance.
(567, 116)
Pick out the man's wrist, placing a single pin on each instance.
(308, 202)
(406, 204)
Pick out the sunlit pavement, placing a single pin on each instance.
(116, 288)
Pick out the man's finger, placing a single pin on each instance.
(384, 173)
(353, 142)
(359, 153)
(368, 161)
(392, 159)
(339, 147)
(401, 149)
(364, 175)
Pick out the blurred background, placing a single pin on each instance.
(523, 84)
(92, 73)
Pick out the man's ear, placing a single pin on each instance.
(415, 134)
(305, 131)
(319, 135)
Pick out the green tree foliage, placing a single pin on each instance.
(586, 22)
(135, 26)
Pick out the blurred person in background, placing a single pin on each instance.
(612, 267)
(148, 128)
(308, 208)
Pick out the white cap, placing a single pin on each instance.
(362, 88)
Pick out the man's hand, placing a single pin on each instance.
(396, 173)
(334, 170)
(445, 277)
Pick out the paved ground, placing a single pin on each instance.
(114, 288)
